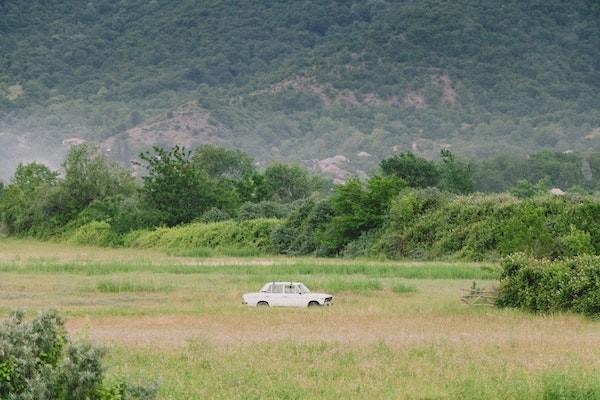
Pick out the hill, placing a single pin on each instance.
(300, 80)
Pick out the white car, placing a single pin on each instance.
(286, 294)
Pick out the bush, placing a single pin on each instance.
(96, 233)
(430, 224)
(302, 232)
(577, 242)
(214, 215)
(550, 286)
(37, 361)
(255, 234)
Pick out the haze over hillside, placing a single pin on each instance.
(299, 80)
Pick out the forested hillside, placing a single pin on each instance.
(301, 80)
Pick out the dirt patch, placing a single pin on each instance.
(415, 99)
(448, 93)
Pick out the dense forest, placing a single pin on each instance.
(300, 80)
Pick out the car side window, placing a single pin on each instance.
(291, 289)
(276, 288)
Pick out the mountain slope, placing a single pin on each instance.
(301, 79)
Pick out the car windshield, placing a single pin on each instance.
(303, 289)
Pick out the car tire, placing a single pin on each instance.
(314, 304)
(262, 304)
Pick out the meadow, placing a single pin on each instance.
(396, 330)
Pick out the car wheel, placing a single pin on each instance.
(262, 304)
(314, 304)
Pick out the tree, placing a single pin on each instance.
(230, 170)
(221, 163)
(89, 176)
(359, 208)
(21, 206)
(286, 183)
(456, 176)
(416, 171)
(174, 187)
(523, 189)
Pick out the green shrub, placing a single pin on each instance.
(429, 224)
(214, 215)
(577, 242)
(252, 234)
(402, 288)
(37, 361)
(95, 233)
(550, 286)
(303, 231)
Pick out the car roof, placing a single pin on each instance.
(283, 283)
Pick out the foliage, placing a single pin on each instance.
(416, 171)
(123, 213)
(456, 176)
(571, 284)
(95, 233)
(20, 208)
(305, 80)
(38, 202)
(523, 189)
(360, 208)
(287, 183)
(449, 174)
(230, 170)
(577, 242)
(174, 187)
(214, 215)
(37, 361)
(429, 224)
(264, 209)
(547, 169)
(302, 232)
(244, 234)
(88, 176)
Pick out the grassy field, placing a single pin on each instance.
(397, 330)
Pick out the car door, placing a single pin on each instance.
(276, 297)
(293, 296)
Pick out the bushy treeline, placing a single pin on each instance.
(571, 284)
(216, 198)
(177, 187)
(524, 176)
(39, 362)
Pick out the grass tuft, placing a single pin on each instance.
(402, 288)
(124, 287)
(354, 286)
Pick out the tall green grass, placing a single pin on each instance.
(207, 252)
(275, 271)
(114, 286)
(402, 288)
(291, 370)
